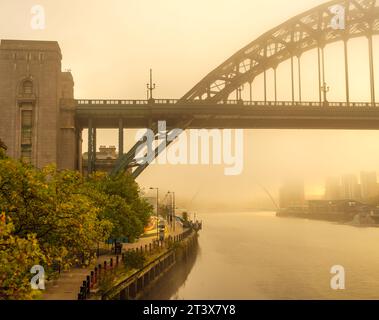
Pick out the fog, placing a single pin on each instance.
(110, 46)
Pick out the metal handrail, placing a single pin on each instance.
(102, 102)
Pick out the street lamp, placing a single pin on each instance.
(325, 89)
(151, 86)
(173, 209)
(157, 210)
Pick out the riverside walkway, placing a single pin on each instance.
(67, 286)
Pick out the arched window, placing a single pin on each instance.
(27, 87)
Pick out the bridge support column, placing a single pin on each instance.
(275, 86)
(346, 73)
(251, 90)
(299, 72)
(292, 81)
(91, 147)
(265, 85)
(319, 74)
(120, 138)
(372, 74)
(79, 144)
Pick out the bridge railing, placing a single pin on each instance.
(228, 102)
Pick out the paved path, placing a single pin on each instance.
(68, 285)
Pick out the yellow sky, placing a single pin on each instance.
(110, 46)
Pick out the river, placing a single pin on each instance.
(259, 256)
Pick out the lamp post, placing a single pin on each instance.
(169, 218)
(325, 89)
(173, 209)
(173, 220)
(151, 86)
(157, 210)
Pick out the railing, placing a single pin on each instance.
(101, 271)
(95, 102)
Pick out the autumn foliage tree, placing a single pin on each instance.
(121, 203)
(57, 218)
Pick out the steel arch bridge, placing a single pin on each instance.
(307, 31)
(310, 30)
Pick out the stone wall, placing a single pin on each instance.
(31, 79)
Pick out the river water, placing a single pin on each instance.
(260, 256)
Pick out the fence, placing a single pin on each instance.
(91, 284)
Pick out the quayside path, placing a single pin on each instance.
(67, 286)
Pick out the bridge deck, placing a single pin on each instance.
(229, 114)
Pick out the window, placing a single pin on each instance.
(26, 135)
(27, 87)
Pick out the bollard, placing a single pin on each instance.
(111, 263)
(88, 284)
(117, 260)
(150, 247)
(105, 266)
(141, 249)
(92, 279)
(96, 274)
(84, 289)
(145, 247)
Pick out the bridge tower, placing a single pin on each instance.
(37, 106)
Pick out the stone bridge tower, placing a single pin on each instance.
(37, 121)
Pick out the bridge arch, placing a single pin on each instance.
(304, 32)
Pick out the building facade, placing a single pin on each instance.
(351, 188)
(292, 194)
(369, 184)
(37, 104)
(105, 159)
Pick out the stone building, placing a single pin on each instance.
(105, 160)
(37, 106)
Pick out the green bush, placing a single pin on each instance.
(134, 260)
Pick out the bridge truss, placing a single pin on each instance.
(310, 30)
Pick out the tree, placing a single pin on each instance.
(121, 203)
(50, 205)
(58, 217)
(17, 257)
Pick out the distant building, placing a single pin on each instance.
(350, 187)
(369, 185)
(333, 188)
(105, 159)
(292, 194)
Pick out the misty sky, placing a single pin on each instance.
(110, 46)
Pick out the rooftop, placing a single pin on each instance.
(9, 44)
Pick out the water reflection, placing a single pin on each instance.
(167, 286)
(260, 256)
